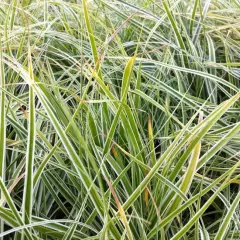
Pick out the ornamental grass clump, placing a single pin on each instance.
(119, 119)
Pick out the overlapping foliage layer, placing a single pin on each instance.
(119, 119)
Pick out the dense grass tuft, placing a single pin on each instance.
(119, 119)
